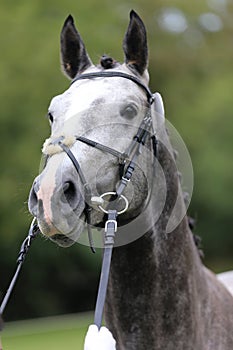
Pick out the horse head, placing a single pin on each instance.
(107, 109)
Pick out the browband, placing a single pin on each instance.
(110, 74)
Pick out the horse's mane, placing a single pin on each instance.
(197, 239)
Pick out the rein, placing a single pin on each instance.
(131, 154)
(32, 234)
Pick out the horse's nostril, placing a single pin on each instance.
(33, 201)
(70, 193)
(66, 186)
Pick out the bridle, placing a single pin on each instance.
(144, 132)
(131, 154)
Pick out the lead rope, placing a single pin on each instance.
(32, 234)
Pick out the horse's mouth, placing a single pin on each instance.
(63, 232)
(62, 240)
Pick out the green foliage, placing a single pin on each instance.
(192, 70)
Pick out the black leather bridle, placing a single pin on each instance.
(144, 132)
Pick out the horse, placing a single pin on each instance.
(160, 295)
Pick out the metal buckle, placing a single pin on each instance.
(125, 179)
(108, 222)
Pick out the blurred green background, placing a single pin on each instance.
(191, 65)
(57, 332)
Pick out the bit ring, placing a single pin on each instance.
(120, 196)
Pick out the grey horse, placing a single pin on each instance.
(160, 296)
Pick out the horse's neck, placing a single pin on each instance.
(152, 285)
(151, 280)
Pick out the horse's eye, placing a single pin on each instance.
(129, 112)
(50, 117)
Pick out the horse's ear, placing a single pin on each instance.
(73, 53)
(135, 44)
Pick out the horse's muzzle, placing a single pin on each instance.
(57, 205)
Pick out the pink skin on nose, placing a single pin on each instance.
(45, 194)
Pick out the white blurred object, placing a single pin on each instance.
(99, 339)
(173, 20)
(227, 279)
(159, 106)
(210, 22)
